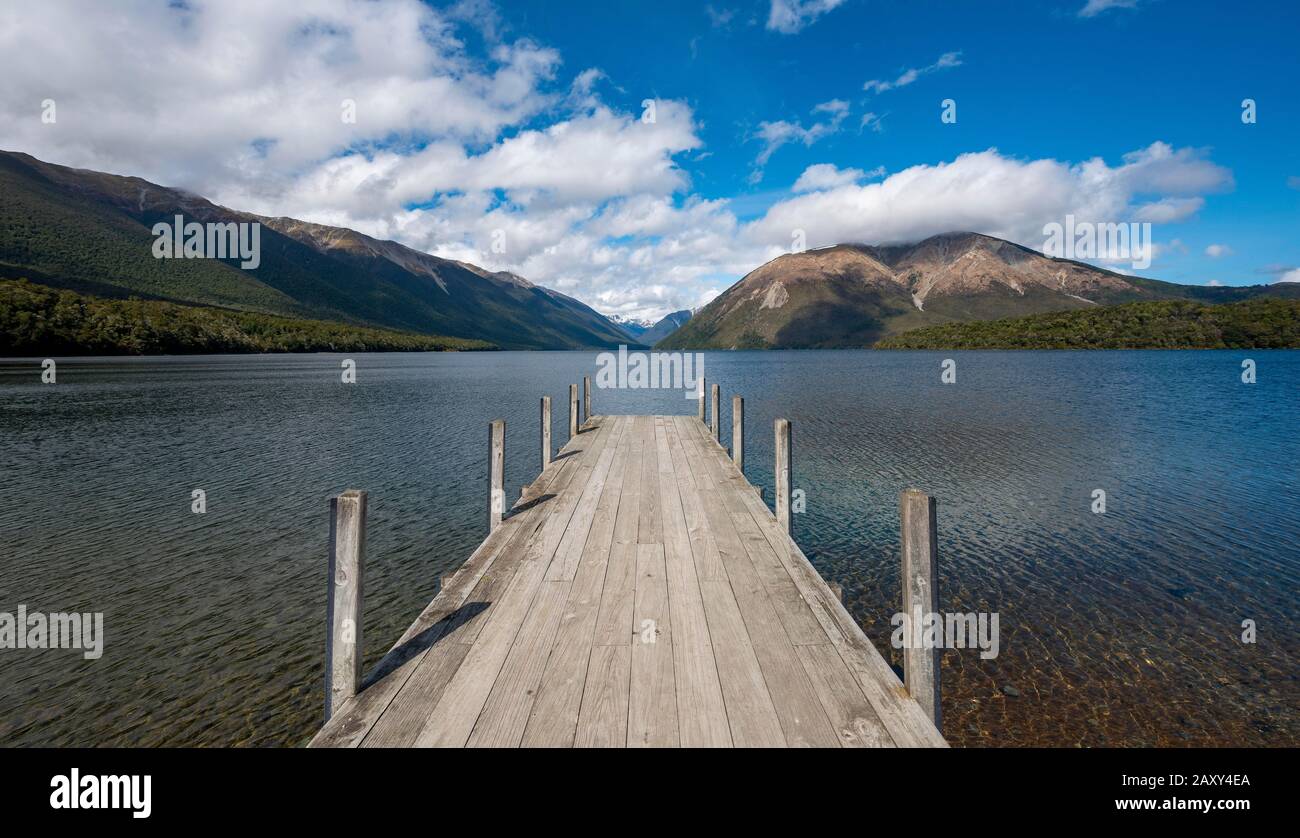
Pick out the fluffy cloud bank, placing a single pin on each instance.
(989, 193)
(454, 150)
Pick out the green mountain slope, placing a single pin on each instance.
(92, 232)
(35, 320)
(857, 295)
(1168, 324)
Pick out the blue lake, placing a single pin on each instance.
(1119, 628)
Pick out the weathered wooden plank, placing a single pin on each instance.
(802, 717)
(352, 723)
(750, 714)
(854, 719)
(717, 469)
(568, 554)
(797, 616)
(650, 524)
(452, 720)
(602, 721)
(407, 710)
(800, 623)
(505, 714)
(764, 654)
(402, 721)
(652, 695)
(554, 717)
(698, 460)
(708, 564)
(629, 505)
(902, 716)
(703, 724)
(614, 620)
(495, 582)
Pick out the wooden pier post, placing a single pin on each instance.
(783, 473)
(546, 432)
(343, 647)
(496, 472)
(716, 424)
(586, 398)
(920, 597)
(701, 410)
(837, 589)
(573, 410)
(738, 433)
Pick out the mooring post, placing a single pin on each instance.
(573, 411)
(738, 432)
(716, 422)
(783, 473)
(546, 432)
(586, 398)
(701, 412)
(343, 648)
(496, 472)
(920, 531)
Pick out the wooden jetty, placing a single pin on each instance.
(639, 593)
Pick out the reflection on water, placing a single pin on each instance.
(1116, 629)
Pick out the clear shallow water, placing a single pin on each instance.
(1116, 629)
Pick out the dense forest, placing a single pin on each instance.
(1169, 324)
(35, 320)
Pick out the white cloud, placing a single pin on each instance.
(240, 101)
(827, 176)
(790, 16)
(776, 134)
(1292, 275)
(988, 193)
(1215, 251)
(948, 59)
(1169, 210)
(1161, 169)
(1095, 7)
(872, 121)
(1214, 283)
(208, 93)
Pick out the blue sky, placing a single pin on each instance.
(1036, 80)
(512, 134)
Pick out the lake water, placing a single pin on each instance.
(1122, 628)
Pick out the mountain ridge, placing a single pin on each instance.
(665, 326)
(90, 232)
(854, 295)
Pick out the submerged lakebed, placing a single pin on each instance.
(1116, 628)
